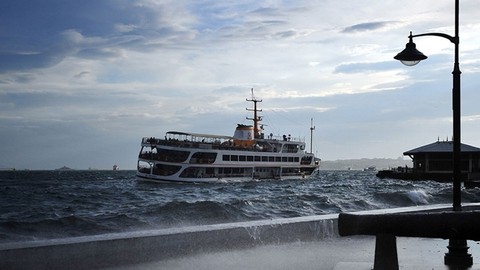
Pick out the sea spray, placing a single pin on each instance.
(419, 197)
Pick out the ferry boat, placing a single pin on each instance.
(247, 155)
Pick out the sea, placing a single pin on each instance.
(38, 205)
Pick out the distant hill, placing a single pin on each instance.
(360, 164)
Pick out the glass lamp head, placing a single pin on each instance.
(410, 56)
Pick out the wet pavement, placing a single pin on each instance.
(334, 253)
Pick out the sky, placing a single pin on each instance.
(81, 82)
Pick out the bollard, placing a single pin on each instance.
(386, 257)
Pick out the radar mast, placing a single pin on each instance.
(312, 128)
(256, 119)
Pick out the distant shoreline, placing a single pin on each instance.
(340, 164)
(360, 164)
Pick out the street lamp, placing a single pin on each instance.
(410, 56)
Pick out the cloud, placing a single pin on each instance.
(89, 29)
(369, 26)
(61, 45)
(24, 61)
(82, 74)
(365, 67)
(18, 77)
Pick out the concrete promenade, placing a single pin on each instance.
(291, 243)
(350, 253)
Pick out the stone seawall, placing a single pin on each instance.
(110, 250)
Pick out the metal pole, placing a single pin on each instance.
(457, 248)
(457, 181)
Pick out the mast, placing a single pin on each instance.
(312, 128)
(256, 118)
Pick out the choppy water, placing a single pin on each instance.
(54, 204)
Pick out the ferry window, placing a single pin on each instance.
(284, 159)
(271, 159)
(290, 159)
(278, 159)
(249, 158)
(257, 158)
(203, 158)
(242, 158)
(171, 155)
(165, 170)
(290, 148)
(197, 172)
(226, 158)
(297, 159)
(234, 158)
(264, 158)
(306, 160)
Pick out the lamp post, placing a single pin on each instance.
(410, 56)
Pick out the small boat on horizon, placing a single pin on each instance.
(247, 155)
(64, 168)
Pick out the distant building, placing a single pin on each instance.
(435, 162)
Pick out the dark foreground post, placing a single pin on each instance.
(386, 252)
(454, 225)
(458, 254)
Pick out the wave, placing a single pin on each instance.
(40, 205)
(51, 228)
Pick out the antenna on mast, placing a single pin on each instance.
(255, 118)
(312, 128)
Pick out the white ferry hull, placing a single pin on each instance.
(144, 177)
(183, 161)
